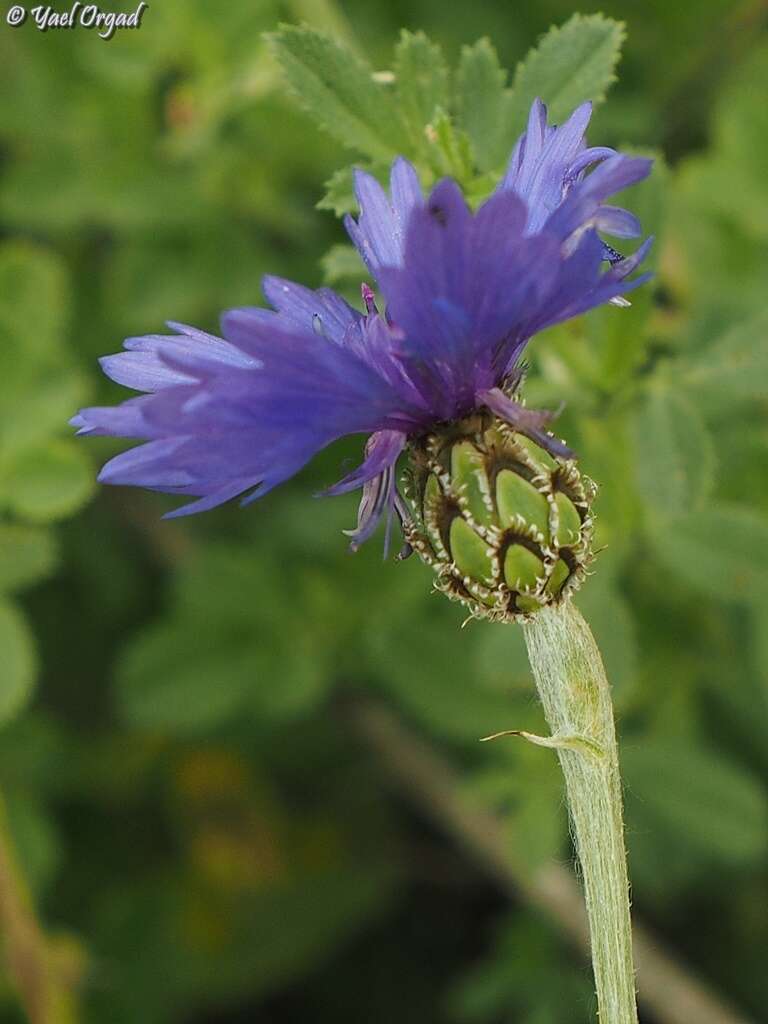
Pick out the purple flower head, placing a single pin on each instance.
(464, 292)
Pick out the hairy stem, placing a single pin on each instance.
(576, 698)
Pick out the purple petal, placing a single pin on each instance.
(380, 229)
(300, 306)
(125, 420)
(379, 491)
(586, 158)
(381, 452)
(141, 371)
(615, 221)
(527, 421)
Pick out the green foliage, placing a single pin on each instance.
(339, 91)
(339, 196)
(17, 674)
(465, 132)
(721, 550)
(421, 81)
(572, 63)
(27, 554)
(43, 477)
(731, 369)
(675, 455)
(206, 665)
(190, 800)
(519, 975)
(341, 264)
(612, 621)
(48, 481)
(696, 806)
(482, 101)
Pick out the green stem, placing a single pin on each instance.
(576, 698)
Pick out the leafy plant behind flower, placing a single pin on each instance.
(462, 123)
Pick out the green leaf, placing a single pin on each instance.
(482, 100)
(339, 91)
(760, 635)
(18, 666)
(340, 190)
(607, 454)
(523, 785)
(230, 656)
(35, 305)
(39, 408)
(620, 338)
(729, 179)
(525, 977)
(48, 481)
(449, 150)
(438, 694)
(421, 78)
(674, 453)
(183, 680)
(572, 63)
(27, 554)
(295, 922)
(722, 551)
(682, 795)
(612, 621)
(734, 368)
(34, 836)
(342, 264)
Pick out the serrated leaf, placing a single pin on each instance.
(421, 82)
(27, 554)
(339, 196)
(339, 91)
(47, 481)
(18, 667)
(722, 551)
(674, 454)
(481, 98)
(732, 369)
(572, 63)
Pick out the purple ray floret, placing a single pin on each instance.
(464, 293)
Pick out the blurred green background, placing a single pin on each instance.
(207, 726)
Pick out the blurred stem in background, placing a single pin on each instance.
(576, 697)
(30, 958)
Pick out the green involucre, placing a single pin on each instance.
(505, 526)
